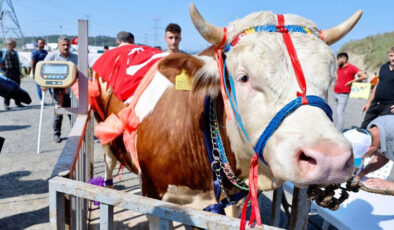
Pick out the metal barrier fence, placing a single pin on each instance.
(108, 198)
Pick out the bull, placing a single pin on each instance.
(172, 156)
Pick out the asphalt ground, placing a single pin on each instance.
(24, 174)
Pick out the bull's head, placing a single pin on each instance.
(306, 148)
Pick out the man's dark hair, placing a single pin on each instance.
(343, 54)
(124, 36)
(106, 47)
(40, 38)
(173, 28)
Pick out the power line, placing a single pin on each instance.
(9, 21)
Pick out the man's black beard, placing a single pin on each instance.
(341, 65)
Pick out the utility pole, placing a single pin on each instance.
(9, 21)
(156, 40)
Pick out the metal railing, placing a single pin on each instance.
(108, 198)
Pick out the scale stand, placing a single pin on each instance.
(40, 124)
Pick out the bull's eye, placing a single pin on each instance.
(244, 78)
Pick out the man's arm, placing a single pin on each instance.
(33, 65)
(376, 163)
(361, 76)
(371, 97)
(380, 184)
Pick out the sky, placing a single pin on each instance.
(147, 19)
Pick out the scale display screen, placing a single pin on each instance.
(55, 74)
(55, 69)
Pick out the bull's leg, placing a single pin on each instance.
(110, 163)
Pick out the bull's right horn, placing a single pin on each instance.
(213, 34)
(334, 34)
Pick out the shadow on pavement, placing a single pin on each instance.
(26, 219)
(13, 127)
(27, 107)
(12, 186)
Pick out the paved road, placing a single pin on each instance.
(24, 174)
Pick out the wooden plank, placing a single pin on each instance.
(300, 209)
(106, 217)
(276, 204)
(65, 162)
(144, 205)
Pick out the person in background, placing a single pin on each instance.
(381, 100)
(10, 64)
(124, 37)
(173, 38)
(376, 141)
(37, 55)
(62, 96)
(106, 48)
(374, 80)
(345, 77)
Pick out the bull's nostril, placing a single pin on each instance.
(304, 157)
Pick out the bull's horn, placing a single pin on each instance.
(213, 34)
(334, 34)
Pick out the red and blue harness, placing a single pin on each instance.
(230, 99)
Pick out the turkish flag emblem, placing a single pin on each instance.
(74, 41)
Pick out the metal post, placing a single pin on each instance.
(40, 123)
(276, 203)
(56, 209)
(300, 210)
(81, 205)
(106, 217)
(83, 66)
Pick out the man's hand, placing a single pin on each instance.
(349, 83)
(392, 109)
(367, 105)
(379, 183)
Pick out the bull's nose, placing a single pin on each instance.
(325, 163)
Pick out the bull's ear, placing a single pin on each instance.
(202, 69)
(208, 77)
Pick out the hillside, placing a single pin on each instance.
(369, 53)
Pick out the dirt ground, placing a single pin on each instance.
(24, 174)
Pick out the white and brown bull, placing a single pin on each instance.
(305, 149)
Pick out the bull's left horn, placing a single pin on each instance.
(334, 34)
(213, 34)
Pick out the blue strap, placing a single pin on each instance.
(282, 114)
(233, 100)
(220, 206)
(208, 145)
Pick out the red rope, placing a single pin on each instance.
(294, 59)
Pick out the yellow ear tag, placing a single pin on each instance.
(183, 81)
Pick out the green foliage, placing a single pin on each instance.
(373, 48)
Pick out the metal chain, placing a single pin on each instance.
(218, 145)
(220, 166)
